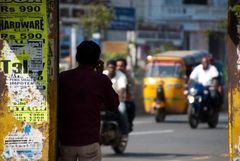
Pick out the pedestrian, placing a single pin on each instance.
(83, 91)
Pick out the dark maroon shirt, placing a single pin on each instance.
(82, 93)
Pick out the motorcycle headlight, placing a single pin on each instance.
(190, 99)
(205, 92)
(193, 91)
(200, 99)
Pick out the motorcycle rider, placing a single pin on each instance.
(221, 82)
(119, 83)
(130, 105)
(207, 75)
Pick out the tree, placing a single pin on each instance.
(96, 19)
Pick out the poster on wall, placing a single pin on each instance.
(26, 144)
(24, 65)
(24, 58)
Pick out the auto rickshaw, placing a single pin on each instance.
(165, 81)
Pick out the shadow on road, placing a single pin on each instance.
(186, 121)
(176, 121)
(147, 155)
(182, 119)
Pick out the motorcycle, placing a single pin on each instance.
(202, 105)
(111, 133)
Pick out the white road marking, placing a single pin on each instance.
(224, 117)
(201, 158)
(224, 155)
(222, 126)
(143, 122)
(152, 132)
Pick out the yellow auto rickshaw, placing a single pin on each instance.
(165, 81)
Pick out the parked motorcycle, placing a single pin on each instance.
(202, 105)
(111, 133)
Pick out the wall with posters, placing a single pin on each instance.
(233, 56)
(26, 67)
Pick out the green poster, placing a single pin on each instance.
(24, 57)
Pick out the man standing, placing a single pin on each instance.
(82, 93)
(130, 105)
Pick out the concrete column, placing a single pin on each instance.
(233, 56)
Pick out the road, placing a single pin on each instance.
(173, 140)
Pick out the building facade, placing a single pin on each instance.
(70, 27)
(151, 24)
(185, 24)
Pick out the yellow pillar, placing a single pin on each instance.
(234, 79)
(28, 79)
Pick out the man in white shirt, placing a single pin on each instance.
(207, 75)
(121, 65)
(119, 84)
(204, 73)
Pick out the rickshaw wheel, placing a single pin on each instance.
(160, 115)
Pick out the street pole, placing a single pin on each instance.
(28, 79)
(234, 79)
(73, 46)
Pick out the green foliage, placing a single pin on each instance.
(223, 24)
(96, 19)
(164, 47)
(168, 46)
(108, 56)
(220, 27)
(154, 51)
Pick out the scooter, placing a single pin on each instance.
(202, 106)
(110, 132)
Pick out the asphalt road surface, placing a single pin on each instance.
(173, 140)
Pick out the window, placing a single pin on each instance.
(77, 12)
(199, 2)
(165, 70)
(66, 1)
(64, 12)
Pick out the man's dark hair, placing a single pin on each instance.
(112, 62)
(122, 60)
(88, 52)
